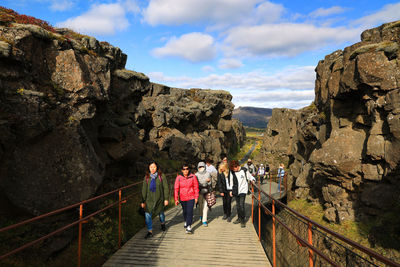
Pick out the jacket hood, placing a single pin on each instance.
(201, 164)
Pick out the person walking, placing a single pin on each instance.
(241, 177)
(225, 184)
(281, 175)
(213, 171)
(250, 167)
(155, 194)
(186, 191)
(261, 173)
(204, 179)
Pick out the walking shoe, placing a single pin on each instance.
(224, 217)
(237, 221)
(184, 226)
(148, 235)
(205, 224)
(229, 219)
(163, 227)
(189, 230)
(243, 225)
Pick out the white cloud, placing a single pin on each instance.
(275, 99)
(285, 39)
(176, 12)
(101, 19)
(300, 78)
(195, 47)
(324, 12)
(291, 88)
(61, 5)
(131, 6)
(268, 12)
(388, 13)
(229, 63)
(207, 68)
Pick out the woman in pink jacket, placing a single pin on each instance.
(187, 192)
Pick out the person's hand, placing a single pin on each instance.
(165, 202)
(222, 194)
(176, 202)
(143, 205)
(196, 200)
(231, 194)
(208, 180)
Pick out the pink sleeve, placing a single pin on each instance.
(176, 189)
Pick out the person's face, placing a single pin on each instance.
(208, 163)
(153, 168)
(237, 168)
(201, 169)
(225, 159)
(185, 171)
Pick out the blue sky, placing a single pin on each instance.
(263, 52)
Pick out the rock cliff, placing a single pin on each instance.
(343, 150)
(71, 116)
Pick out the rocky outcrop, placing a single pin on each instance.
(343, 150)
(71, 118)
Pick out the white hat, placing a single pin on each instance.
(262, 164)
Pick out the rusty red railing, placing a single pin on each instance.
(79, 222)
(310, 225)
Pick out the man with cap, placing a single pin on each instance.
(250, 167)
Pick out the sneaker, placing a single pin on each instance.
(237, 221)
(148, 235)
(229, 219)
(224, 217)
(163, 227)
(184, 226)
(243, 225)
(205, 224)
(189, 230)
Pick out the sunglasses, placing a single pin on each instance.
(185, 169)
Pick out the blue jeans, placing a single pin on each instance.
(149, 221)
(279, 183)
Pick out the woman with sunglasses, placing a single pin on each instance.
(186, 193)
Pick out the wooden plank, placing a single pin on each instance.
(221, 243)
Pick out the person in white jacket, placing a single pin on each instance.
(241, 179)
(204, 179)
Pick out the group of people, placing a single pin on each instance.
(190, 189)
(263, 172)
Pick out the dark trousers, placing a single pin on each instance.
(227, 203)
(187, 207)
(240, 206)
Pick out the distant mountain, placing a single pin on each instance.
(253, 117)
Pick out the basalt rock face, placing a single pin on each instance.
(72, 117)
(344, 149)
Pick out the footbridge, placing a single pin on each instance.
(268, 230)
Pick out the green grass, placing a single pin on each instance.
(359, 231)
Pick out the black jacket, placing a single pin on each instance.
(221, 181)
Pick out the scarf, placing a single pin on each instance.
(153, 182)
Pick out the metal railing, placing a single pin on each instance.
(310, 226)
(81, 220)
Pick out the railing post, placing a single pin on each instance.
(119, 218)
(80, 234)
(273, 235)
(259, 211)
(252, 202)
(310, 252)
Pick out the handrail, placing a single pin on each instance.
(360, 247)
(80, 221)
(66, 208)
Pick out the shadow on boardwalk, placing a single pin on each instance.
(221, 243)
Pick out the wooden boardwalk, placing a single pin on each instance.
(221, 243)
